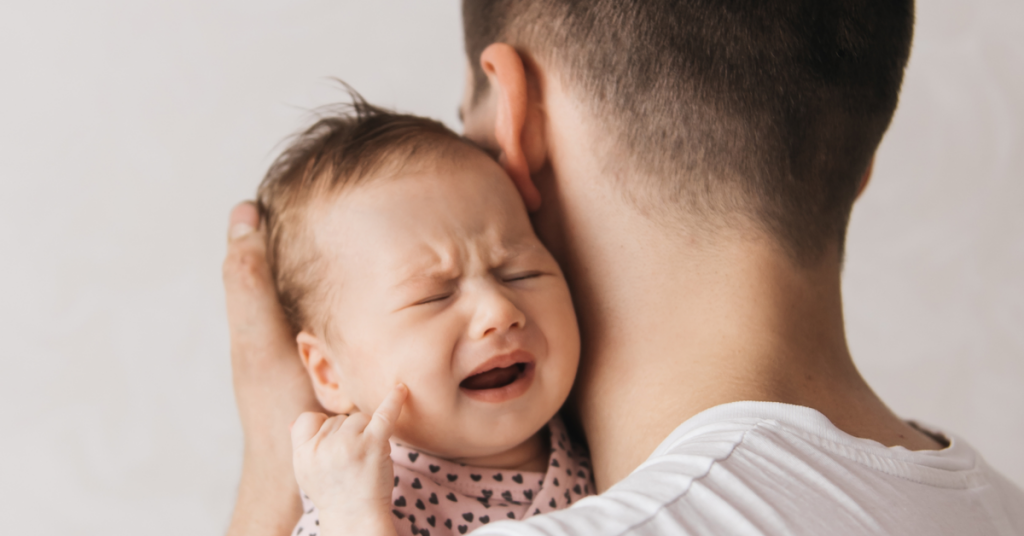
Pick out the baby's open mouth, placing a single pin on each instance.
(494, 378)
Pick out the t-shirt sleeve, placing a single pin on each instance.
(779, 469)
(651, 500)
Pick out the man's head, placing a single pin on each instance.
(770, 111)
(402, 253)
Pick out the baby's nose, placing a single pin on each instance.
(496, 314)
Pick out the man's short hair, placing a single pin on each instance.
(349, 145)
(771, 109)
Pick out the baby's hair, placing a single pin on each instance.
(348, 145)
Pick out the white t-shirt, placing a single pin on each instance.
(768, 468)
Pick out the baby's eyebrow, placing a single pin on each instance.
(507, 252)
(415, 280)
(439, 272)
(425, 275)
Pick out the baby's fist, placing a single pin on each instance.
(343, 463)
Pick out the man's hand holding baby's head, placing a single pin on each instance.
(344, 462)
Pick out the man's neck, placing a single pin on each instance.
(673, 325)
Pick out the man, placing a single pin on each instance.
(692, 165)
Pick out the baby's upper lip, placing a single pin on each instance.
(502, 361)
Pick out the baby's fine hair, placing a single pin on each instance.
(349, 144)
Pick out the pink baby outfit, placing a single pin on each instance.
(438, 497)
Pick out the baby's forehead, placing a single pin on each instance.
(432, 220)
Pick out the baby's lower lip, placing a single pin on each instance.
(508, 384)
(494, 378)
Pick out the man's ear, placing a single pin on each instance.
(323, 373)
(866, 178)
(518, 122)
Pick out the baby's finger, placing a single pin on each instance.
(355, 424)
(330, 426)
(305, 427)
(382, 425)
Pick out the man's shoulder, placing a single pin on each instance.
(786, 469)
(765, 468)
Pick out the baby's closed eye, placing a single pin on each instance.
(437, 298)
(521, 276)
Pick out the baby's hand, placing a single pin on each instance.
(343, 463)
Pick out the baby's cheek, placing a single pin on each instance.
(367, 384)
(563, 355)
(427, 403)
(422, 428)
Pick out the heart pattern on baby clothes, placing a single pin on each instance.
(421, 480)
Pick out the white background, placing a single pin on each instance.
(128, 130)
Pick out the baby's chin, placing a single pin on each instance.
(483, 441)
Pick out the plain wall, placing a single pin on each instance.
(129, 129)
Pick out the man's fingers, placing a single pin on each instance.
(264, 357)
(382, 424)
(244, 219)
(259, 330)
(252, 304)
(246, 273)
(306, 427)
(271, 384)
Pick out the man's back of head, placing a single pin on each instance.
(767, 110)
(699, 161)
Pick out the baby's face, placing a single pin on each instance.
(435, 279)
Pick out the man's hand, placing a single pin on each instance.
(343, 464)
(271, 385)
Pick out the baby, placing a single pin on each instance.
(431, 321)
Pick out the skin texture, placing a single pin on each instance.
(673, 320)
(431, 277)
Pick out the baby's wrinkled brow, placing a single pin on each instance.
(424, 279)
(437, 271)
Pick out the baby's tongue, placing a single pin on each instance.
(491, 379)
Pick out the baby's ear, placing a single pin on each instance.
(323, 372)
